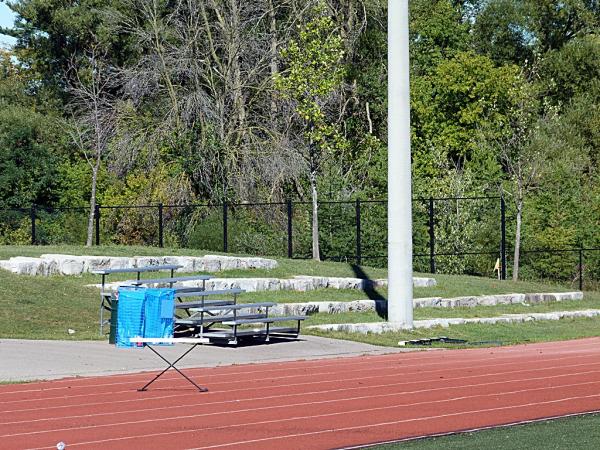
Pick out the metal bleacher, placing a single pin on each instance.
(225, 320)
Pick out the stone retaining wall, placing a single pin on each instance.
(498, 299)
(382, 327)
(292, 309)
(53, 264)
(301, 283)
(381, 305)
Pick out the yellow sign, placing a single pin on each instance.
(497, 267)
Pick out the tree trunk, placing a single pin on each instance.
(274, 66)
(90, 228)
(233, 51)
(517, 254)
(315, 216)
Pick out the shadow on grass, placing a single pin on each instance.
(372, 294)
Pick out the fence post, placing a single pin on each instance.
(290, 249)
(97, 218)
(225, 226)
(32, 216)
(431, 237)
(160, 225)
(502, 238)
(581, 269)
(358, 241)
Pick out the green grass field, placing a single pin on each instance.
(46, 307)
(576, 433)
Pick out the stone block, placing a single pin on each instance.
(554, 296)
(145, 261)
(65, 264)
(209, 264)
(24, 265)
(97, 263)
(424, 282)
(427, 302)
(188, 263)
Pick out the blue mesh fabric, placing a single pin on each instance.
(130, 315)
(158, 313)
(144, 313)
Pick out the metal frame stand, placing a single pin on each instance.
(172, 365)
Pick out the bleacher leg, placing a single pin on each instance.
(101, 314)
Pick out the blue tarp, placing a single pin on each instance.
(144, 313)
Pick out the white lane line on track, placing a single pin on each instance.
(69, 391)
(318, 364)
(322, 402)
(303, 394)
(228, 427)
(308, 384)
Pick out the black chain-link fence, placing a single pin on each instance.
(461, 235)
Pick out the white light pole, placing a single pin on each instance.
(400, 287)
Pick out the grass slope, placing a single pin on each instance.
(46, 307)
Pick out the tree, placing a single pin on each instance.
(29, 136)
(524, 161)
(438, 31)
(556, 22)
(502, 31)
(94, 116)
(203, 88)
(452, 104)
(27, 166)
(50, 33)
(519, 30)
(313, 74)
(571, 71)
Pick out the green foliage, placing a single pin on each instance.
(29, 141)
(140, 225)
(514, 31)
(51, 32)
(503, 32)
(556, 22)
(74, 183)
(463, 95)
(571, 70)
(314, 72)
(27, 171)
(14, 229)
(437, 32)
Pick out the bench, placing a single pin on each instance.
(195, 292)
(200, 307)
(183, 293)
(171, 281)
(232, 335)
(268, 330)
(105, 297)
(204, 314)
(233, 315)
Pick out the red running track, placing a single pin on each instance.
(318, 404)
